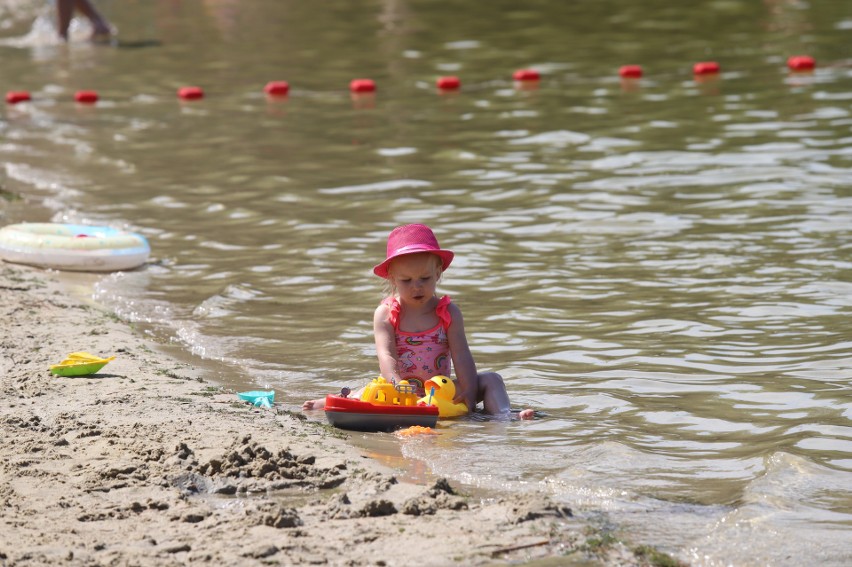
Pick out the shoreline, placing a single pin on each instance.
(148, 463)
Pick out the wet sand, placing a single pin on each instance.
(146, 463)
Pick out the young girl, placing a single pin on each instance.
(419, 335)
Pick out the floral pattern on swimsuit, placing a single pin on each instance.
(424, 354)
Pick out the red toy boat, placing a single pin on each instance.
(382, 407)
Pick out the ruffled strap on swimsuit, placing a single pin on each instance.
(393, 307)
(442, 310)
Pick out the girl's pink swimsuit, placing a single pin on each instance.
(426, 353)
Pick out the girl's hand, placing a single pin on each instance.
(467, 398)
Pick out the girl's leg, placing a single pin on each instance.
(492, 392)
(317, 404)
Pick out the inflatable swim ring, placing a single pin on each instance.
(73, 247)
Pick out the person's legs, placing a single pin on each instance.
(493, 394)
(317, 404)
(99, 24)
(65, 12)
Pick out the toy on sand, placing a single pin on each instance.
(382, 407)
(415, 430)
(80, 364)
(259, 398)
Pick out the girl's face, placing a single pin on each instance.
(415, 277)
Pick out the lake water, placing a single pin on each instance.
(662, 266)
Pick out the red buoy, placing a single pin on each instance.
(801, 63)
(86, 97)
(190, 93)
(705, 68)
(277, 88)
(362, 86)
(448, 83)
(526, 75)
(14, 97)
(630, 72)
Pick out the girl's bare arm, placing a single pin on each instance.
(465, 367)
(385, 344)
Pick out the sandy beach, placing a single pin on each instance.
(147, 463)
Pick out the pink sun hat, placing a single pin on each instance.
(412, 239)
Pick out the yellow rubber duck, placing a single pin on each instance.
(440, 392)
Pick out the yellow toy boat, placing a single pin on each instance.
(382, 392)
(80, 364)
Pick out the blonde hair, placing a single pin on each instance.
(390, 287)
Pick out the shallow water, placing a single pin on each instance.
(662, 266)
